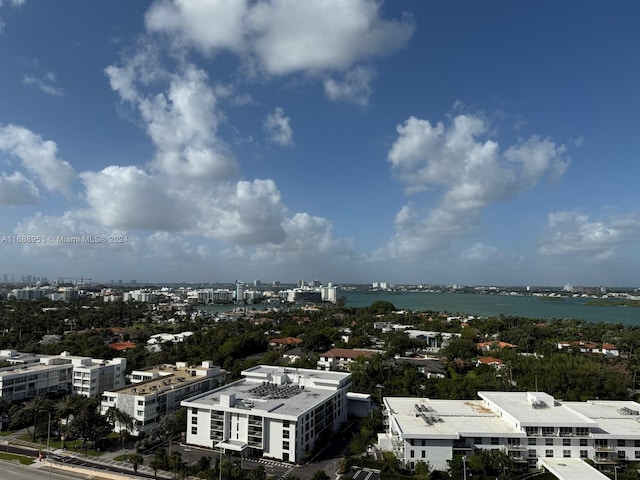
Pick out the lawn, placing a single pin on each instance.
(21, 458)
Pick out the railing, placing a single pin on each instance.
(604, 448)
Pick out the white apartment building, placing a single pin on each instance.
(273, 412)
(529, 426)
(38, 375)
(158, 391)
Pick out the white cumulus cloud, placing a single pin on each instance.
(467, 170)
(283, 37)
(16, 189)
(354, 87)
(278, 128)
(571, 232)
(39, 157)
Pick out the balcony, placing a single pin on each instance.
(604, 448)
(516, 446)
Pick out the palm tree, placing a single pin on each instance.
(135, 460)
(32, 407)
(121, 420)
(64, 408)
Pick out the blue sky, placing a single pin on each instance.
(345, 141)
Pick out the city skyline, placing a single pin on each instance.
(351, 141)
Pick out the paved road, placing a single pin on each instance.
(17, 471)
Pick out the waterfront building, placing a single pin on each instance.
(273, 412)
(157, 391)
(530, 427)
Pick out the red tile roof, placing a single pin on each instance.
(120, 346)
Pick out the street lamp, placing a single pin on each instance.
(464, 467)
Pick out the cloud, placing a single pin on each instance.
(317, 36)
(283, 37)
(39, 157)
(16, 189)
(209, 26)
(307, 238)
(181, 118)
(355, 87)
(278, 128)
(45, 84)
(13, 3)
(575, 234)
(129, 198)
(467, 171)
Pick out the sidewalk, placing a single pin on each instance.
(107, 458)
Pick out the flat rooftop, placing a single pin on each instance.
(172, 378)
(427, 418)
(618, 418)
(282, 391)
(571, 469)
(519, 405)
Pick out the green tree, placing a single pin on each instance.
(136, 460)
(320, 475)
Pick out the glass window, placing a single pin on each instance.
(548, 453)
(566, 453)
(548, 441)
(583, 442)
(621, 443)
(531, 441)
(194, 430)
(584, 454)
(637, 454)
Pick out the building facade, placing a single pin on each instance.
(273, 412)
(157, 391)
(528, 426)
(33, 375)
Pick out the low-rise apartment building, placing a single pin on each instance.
(33, 375)
(342, 358)
(157, 391)
(528, 426)
(273, 412)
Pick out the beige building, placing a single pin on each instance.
(157, 391)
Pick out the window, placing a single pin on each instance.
(194, 430)
(532, 453)
(565, 431)
(495, 440)
(531, 441)
(622, 454)
(566, 453)
(285, 434)
(424, 454)
(548, 441)
(637, 454)
(285, 423)
(194, 410)
(140, 413)
(621, 443)
(194, 420)
(548, 453)
(412, 453)
(636, 443)
(583, 442)
(477, 440)
(140, 403)
(566, 442)
(582, 431)
(531, 431)
(547, 431)
(285, 445)
(584, 454)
